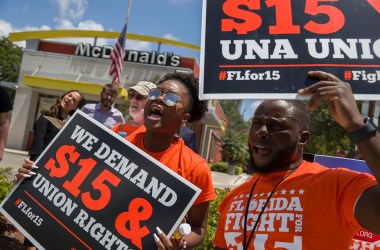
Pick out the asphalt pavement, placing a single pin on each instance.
(14, 159)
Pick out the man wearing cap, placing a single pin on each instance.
(137, 95)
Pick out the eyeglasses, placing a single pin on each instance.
(138, 97)
(169, 99)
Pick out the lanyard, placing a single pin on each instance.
(245, 242)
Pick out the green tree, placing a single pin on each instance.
(235, 148)
(10, 62)
(326, 136)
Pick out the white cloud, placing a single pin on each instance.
(65, 24)
(171, 37)
(70, 12)
(72, 9)
(136, 45)
(90, 25)
(6, 28)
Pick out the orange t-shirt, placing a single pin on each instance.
(182, 160)
(124, 127)
(311, 209)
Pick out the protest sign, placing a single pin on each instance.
(254, 49)
(335, 162)
(363, 239)
(95, 190)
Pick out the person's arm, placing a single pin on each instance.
(343, 109)
(4, 129)
(197, 218)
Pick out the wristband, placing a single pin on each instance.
(362, 133)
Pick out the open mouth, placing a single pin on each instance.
(261, 150)
(155, 113)
(134, 107)
(65, 103)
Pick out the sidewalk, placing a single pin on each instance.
(13, 158)
(223, 180)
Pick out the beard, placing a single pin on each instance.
(281, 159)
(106, 103)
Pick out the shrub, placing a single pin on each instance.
(5, 184)
(219, 167)
(238, 170)
(213, 219)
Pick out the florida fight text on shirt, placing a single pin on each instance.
(283, 214)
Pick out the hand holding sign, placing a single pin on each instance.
(25, 171)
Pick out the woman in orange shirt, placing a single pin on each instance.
(174, 102)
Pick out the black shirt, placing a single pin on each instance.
(5, 101)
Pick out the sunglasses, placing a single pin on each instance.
(169, 99)
(136, 95)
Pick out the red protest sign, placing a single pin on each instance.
(264, 49)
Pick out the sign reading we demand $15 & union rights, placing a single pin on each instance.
(95, 190)
(257, 49)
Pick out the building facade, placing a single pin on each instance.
(49, 69)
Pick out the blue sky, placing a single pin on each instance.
(248, 107)
(172, 19)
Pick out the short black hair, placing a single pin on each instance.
(197, 108)
(297, 109)
(300, 113)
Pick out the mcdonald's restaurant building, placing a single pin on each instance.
(49, 69)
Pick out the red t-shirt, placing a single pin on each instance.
(182, 160)
(311, 209)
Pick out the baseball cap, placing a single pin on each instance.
(143, 87)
